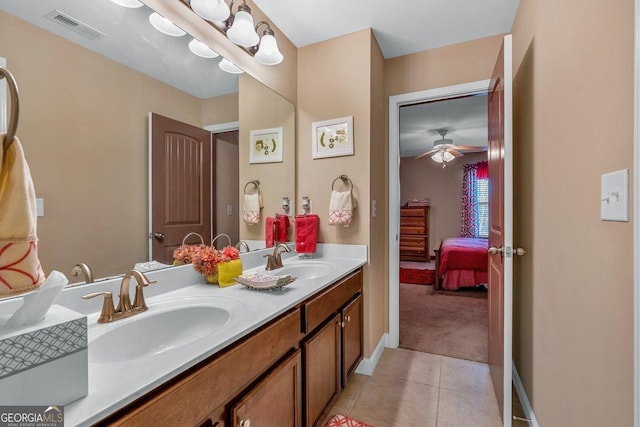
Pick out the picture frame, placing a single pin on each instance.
(265, 145)
(332, 138)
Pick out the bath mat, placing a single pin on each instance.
(418, 273)
(343, 421)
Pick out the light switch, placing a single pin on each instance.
(40, 207)
(614, 196)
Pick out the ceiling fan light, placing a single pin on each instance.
(211, 10)
(268, 52)
(165, 26)
(198, 48)
(447, 156)
(229, 67)
(131, 4)
(242, 31)
(437, 157)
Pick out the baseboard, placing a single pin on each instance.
(524, 399)
(368, 364)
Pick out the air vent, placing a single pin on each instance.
(74, 25)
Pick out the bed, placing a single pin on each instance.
(461, 262)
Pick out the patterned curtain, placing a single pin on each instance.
(469, 220)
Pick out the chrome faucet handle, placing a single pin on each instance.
(108, 312)
(278, 254)
(272, 263)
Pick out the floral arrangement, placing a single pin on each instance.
(206, 260)
(185, 254)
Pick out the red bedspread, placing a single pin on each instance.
(463, 262)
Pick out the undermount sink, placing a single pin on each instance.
(305, 270)
(166, 326)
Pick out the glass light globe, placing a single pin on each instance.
(128, 3)
(229, 67)
(211, 10)
(242, 32)
(201, 49)
(164, 25)
(268, 53)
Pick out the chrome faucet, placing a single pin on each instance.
(243, 243)
(84, 269)
(274, 260)
(125, 308)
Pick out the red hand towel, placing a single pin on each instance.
(283, 228)
(306, 233)
(270, 225)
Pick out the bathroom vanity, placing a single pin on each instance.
(205, 356)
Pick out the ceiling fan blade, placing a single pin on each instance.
(470, 148)
(427, 153)
(455, 153)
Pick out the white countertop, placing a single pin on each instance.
(114, 385)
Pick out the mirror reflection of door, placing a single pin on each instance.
(226, 189)
(181, 178)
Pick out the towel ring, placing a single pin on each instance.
(345, 179)
(15, 108)
(255, 183)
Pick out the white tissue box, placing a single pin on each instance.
(45, 363)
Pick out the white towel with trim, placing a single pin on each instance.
(251, 208)
(341, 208)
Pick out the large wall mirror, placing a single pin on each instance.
(84, 107)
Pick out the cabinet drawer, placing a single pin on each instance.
(319, 308)
(417, 221)
(409, 243)
(218, 381)
(412, 229)
(404, 212)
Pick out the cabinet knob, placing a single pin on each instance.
(245, 423)
(342, 324)
(348, 318)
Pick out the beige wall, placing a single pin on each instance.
(574, 289)
(227, 170)
(220, 109)
(83, 125)
(261, 108)
(424, 178)
(327, 91)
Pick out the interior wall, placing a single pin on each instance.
(573, 303)
(220, 109)
(227, 165)
(424, 178)
(261, 108)
(83, 126)
(327, 91)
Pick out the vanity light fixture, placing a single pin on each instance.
(132, 4)
(164, 25)
(229, 67)
(239, 28)
(201, 49)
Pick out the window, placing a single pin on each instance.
(482, 197)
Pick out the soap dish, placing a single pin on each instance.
(263, 281)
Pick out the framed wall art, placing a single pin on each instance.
(265, 145)
(332, 138)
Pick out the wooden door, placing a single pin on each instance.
(182, 170)
(352, 349)
(500, 230)
(276, 400)
(322, 371)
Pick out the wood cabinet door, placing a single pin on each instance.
(275, 401)
(322, 371)
(351, 338)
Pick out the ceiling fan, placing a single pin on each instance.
(444, 150)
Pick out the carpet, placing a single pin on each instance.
(419, 273)
(343, 421)
(444, 324)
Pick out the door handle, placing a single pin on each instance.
(493, 250)
(519, 251)
(159, 236)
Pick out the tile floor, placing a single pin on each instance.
(413, 389)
